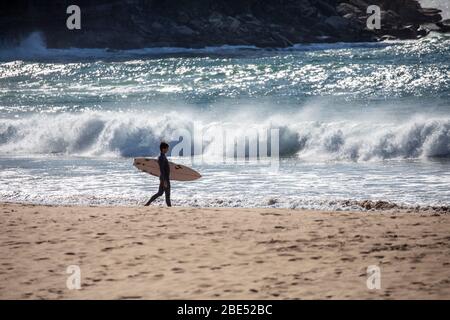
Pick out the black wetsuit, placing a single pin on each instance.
(164, 178)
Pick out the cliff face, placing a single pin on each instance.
(199, 23)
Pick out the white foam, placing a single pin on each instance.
(129, 134)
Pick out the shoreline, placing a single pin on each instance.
(221, 253)
(355, 206)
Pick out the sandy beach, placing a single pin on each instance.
(215, 253)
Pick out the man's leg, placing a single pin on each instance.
(167, 191)
(156, 195)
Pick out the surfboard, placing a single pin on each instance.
(178, 172)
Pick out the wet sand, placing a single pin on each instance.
(221, 253)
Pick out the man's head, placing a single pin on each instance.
(164, 147)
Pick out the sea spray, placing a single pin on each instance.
(136, 134)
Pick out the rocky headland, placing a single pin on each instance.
(130, 24)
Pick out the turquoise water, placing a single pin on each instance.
(356, 122)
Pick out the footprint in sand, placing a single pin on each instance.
(40, 259)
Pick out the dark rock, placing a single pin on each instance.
(387, 37)
(407, 32)
(338, 23)
(361, 4)
(444, 26)
(347, 8)
(389, 19)
(326, 8)
(430, 27)
(184, 30)
(266, 23)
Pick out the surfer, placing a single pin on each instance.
(164, 181)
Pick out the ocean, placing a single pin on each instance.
(356, 122)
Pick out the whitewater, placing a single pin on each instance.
(367, 121)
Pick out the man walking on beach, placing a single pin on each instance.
(164, 177)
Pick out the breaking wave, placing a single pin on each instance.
(136, 134)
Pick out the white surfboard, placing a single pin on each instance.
(177, 171)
